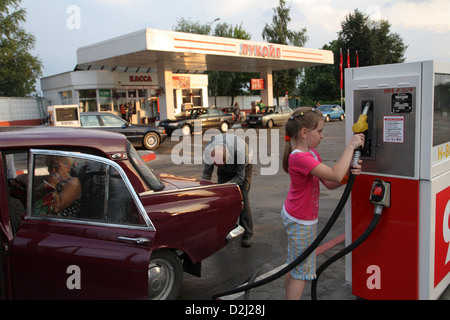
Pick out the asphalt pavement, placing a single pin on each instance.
(233, 265)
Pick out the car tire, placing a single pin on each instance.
(165, 275)
(224, 126)
(269, 124)
(186, 130)
(151, 141)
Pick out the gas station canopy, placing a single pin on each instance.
(193, 53)
(169, 52)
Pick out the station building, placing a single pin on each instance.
(157, 71)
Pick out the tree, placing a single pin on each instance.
(18, 67)
(318, 83)
(372, 39)
(278, 32)
(374, 43)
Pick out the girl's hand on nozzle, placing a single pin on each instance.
(357, 141)
(356, 171)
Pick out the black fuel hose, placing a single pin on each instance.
(305, 254)
(343, 252)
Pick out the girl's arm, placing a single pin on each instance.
(338, 171)
(331, 185)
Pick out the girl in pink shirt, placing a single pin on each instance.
(304, 131)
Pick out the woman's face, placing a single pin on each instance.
(59, 169)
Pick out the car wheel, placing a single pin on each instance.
(186, 130)
(327, 118)
(342, 117)
(165, 275)
(151, 140)
(224, 127)
(269, 124)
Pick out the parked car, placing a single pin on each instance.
(129, 233)
(139, 135)
(204, 118)
(331, 111)
(269, 116)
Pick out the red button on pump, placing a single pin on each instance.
(378, 191)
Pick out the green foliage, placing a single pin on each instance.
(279, 32)
(374, 43)
(18, 67)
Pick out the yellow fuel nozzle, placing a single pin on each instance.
(361, 125)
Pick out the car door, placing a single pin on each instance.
(278, 116)
(99, 248)
(213, 118)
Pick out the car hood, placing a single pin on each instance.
(257, 114)
(173, 182)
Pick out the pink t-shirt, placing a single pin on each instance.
(302, 201)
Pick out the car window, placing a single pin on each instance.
(277, 110)
(144, 170)
(80, 189)
(111, 121)
(90, 121)
(16, 173)
(202, 113)
(213, 112)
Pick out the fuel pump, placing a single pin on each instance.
(380, 196)
(407, 143)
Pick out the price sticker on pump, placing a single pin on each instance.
(393, 129)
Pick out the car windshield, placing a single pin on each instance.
(325, 108)
(144, 170)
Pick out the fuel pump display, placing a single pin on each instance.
(403, 258)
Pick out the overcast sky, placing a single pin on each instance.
(423, 25)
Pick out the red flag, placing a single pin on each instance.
(348, 58)
(357, 59)
(340, 66)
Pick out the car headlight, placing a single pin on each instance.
(259, 118)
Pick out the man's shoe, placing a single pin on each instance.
(245, 243)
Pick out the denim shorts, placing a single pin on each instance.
(300, 238)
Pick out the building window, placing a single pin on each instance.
(193, 96)
(105, 99)
(88, 100)
(66, 97)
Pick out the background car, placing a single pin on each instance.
(332, 111)
(206, 118)
(132, 235)
(139, 135)
(269, 116)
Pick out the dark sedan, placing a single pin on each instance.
(138, 135)
(204, 118)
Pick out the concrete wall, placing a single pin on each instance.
(20, 111)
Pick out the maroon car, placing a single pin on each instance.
(84, 217)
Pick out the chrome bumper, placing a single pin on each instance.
(235, 233)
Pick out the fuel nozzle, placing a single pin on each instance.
(360, 127)
(380, 195)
